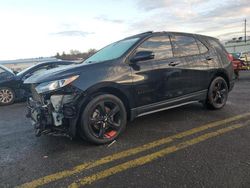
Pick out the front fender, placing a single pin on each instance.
(124, 93)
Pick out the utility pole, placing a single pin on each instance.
(245, 29)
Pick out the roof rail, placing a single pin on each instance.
(144, 33)
(148, 32)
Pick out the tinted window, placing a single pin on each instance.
(184, 45)
(37, 71)
(40, 70)
(216, 44)
(25, 70)
(220, 50)
(202, 47)
(160, 45)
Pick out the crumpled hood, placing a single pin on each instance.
(55, 74)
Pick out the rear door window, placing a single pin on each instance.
(184, 45)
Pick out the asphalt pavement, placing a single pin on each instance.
(189, 146)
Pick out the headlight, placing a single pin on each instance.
(53, 85)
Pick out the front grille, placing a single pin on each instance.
(35, 95)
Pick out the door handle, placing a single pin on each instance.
(173, 64)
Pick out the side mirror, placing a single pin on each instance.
(142, 56)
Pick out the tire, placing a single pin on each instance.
(217, 94)
(7, 96)
(103, 119)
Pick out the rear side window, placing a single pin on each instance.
(216, 44)
(160, 45)
(184, 45)
(220, 50)
(202, 47)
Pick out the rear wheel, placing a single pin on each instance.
(217, 94)
(103, 119)
(7, 96)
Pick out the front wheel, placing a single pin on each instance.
(217, 94)
(7, 96)
(103, 119)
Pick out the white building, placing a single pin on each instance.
(238, 45)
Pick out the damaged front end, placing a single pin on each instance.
(52, 112)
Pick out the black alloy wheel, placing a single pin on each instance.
(103, 119)
(7, 96)
(217, 94)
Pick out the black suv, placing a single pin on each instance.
(138, 75)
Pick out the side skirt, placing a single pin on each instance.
(168, 104)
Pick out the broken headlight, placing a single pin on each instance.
(53, 85)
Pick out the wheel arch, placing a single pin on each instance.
(116, 92)
(90, 94)
(209, 103)
(223, 74)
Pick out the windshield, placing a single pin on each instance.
(24, 70)
(112, 51)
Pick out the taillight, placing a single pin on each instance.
(230, 57)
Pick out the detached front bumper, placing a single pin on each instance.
(52, 116)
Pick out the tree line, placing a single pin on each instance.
(75, 55)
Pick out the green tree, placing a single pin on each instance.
(75, 55)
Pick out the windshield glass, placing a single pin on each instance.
(112, 51)
(24, 70)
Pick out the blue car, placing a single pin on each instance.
(12, 88)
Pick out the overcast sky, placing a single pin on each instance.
(35, 28)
